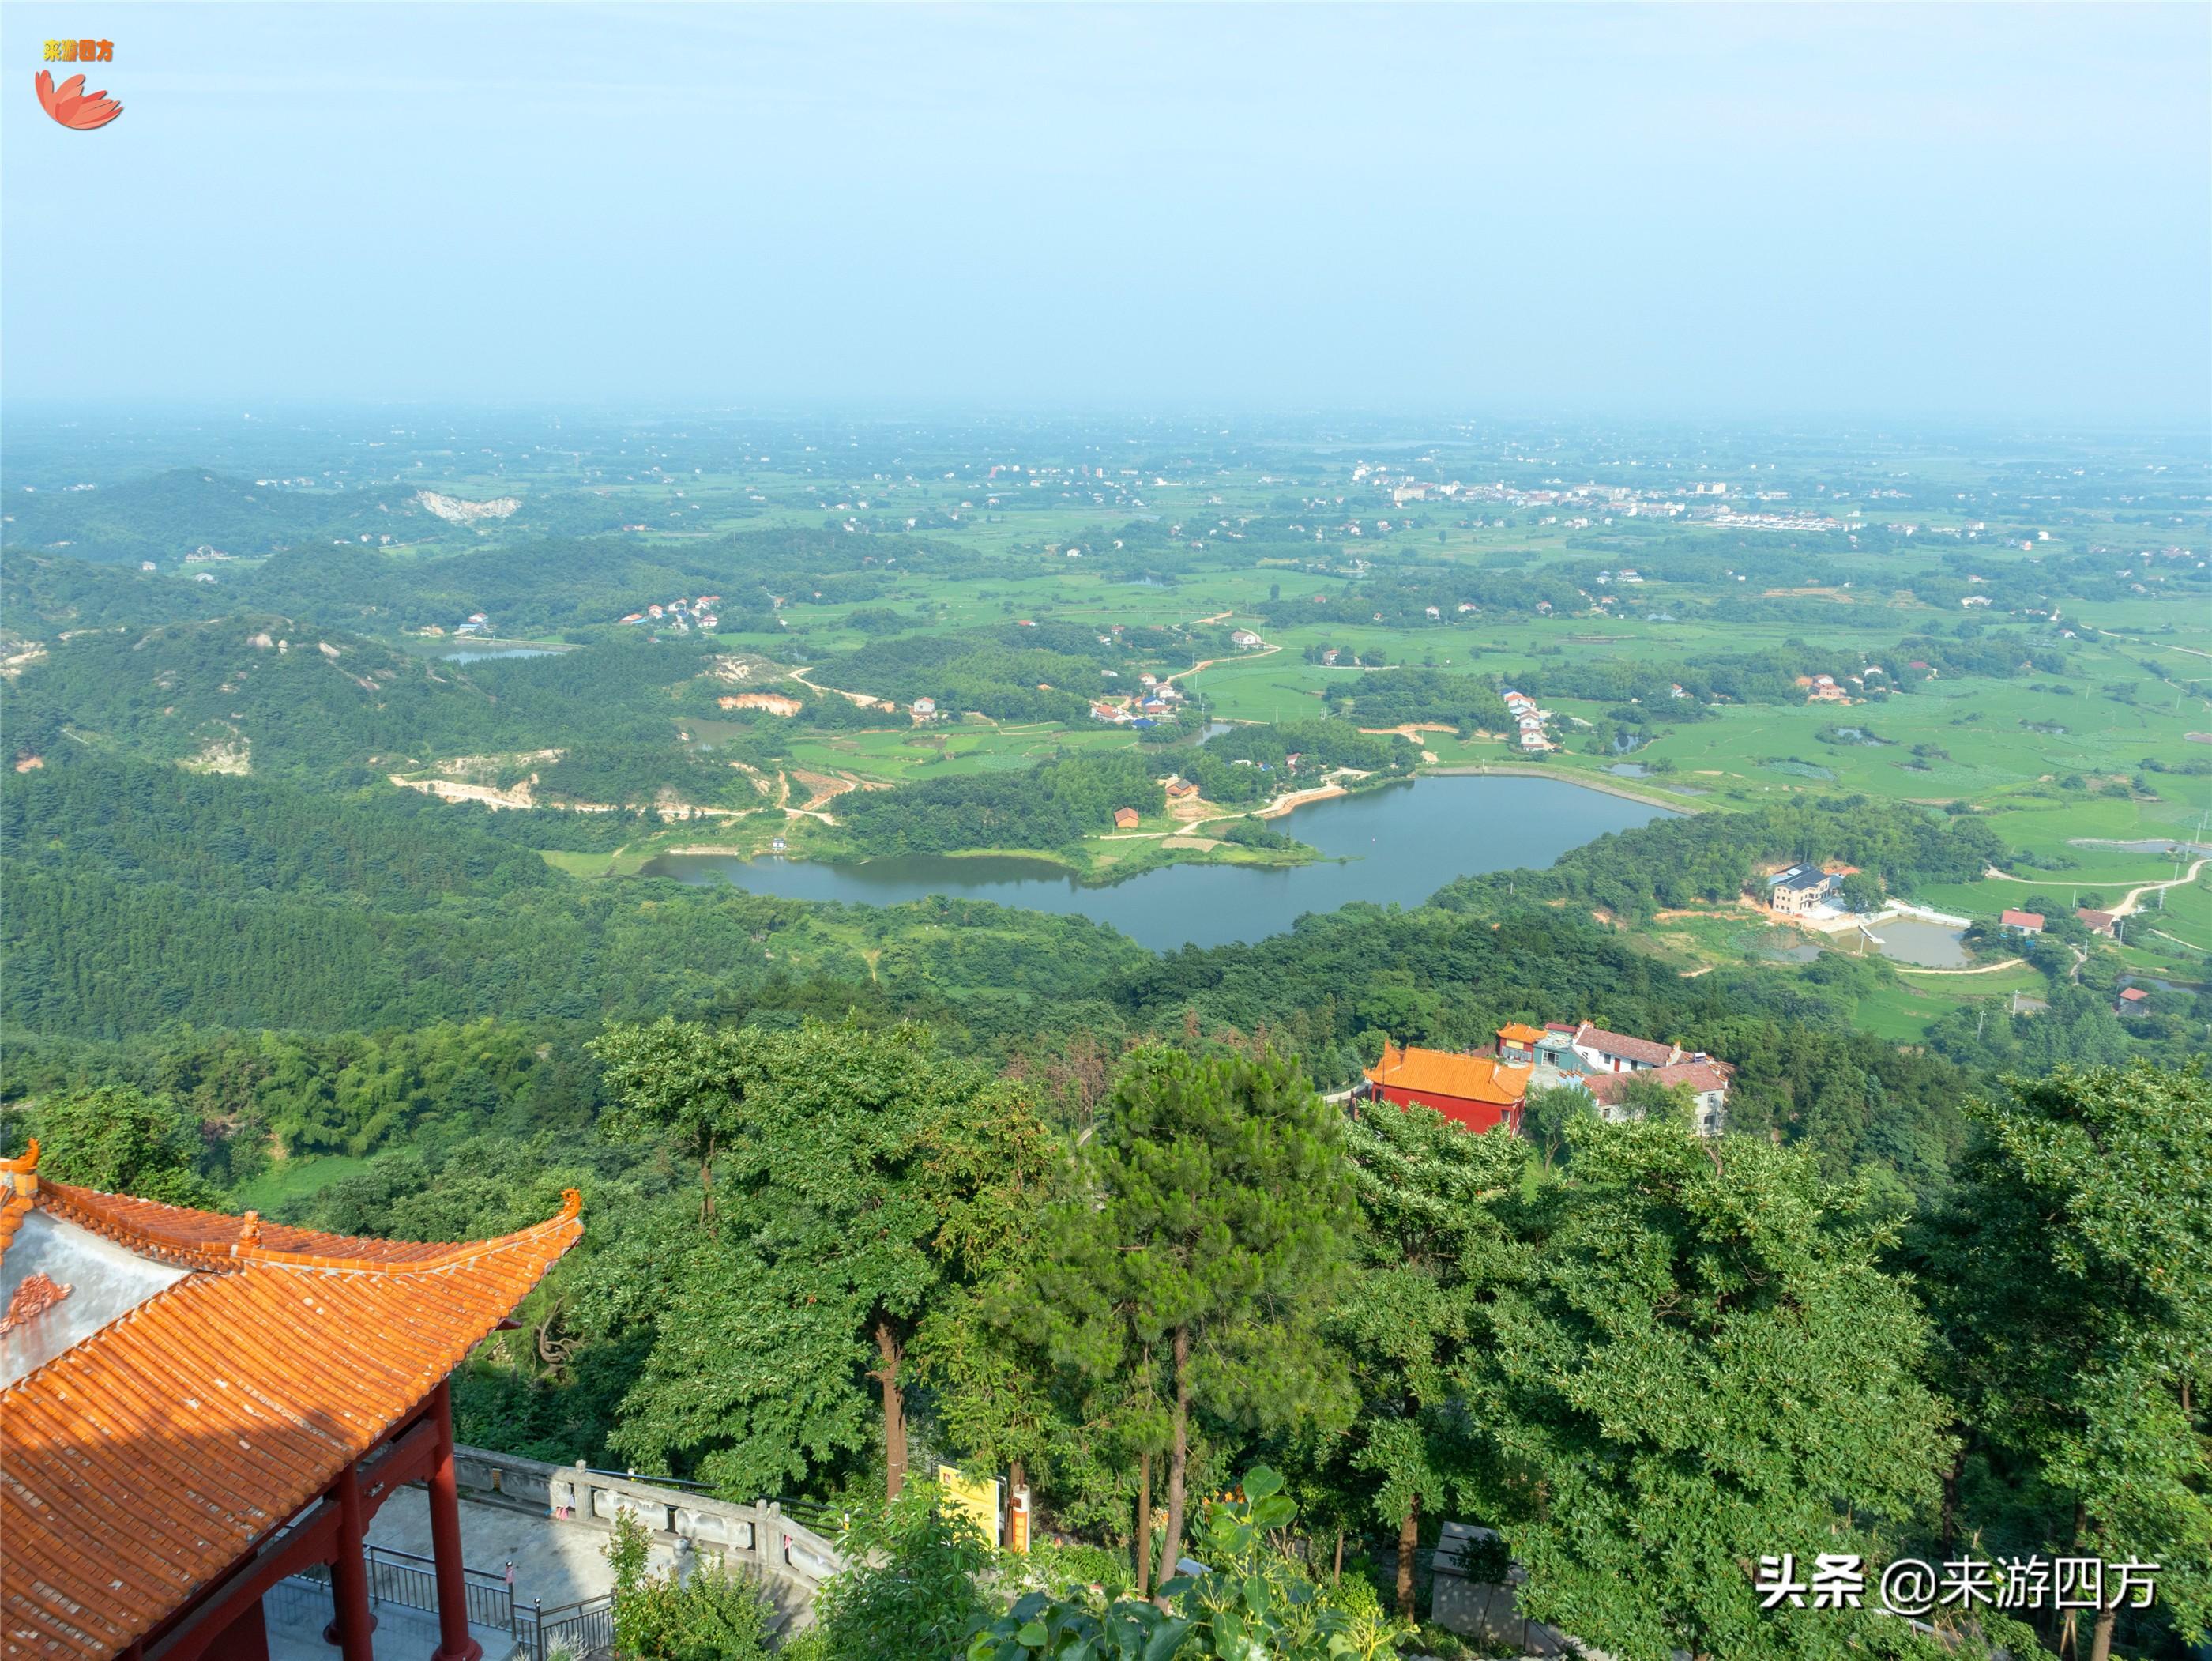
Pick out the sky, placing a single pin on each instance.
(1895, 211)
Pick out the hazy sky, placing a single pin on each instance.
(1890, 210)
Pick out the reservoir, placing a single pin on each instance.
(1396, 846)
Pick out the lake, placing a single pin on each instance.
(1398, 845)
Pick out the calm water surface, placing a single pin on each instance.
(1928, 944)
(492, 653)
(1398, 845)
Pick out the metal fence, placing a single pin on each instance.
(583, 1629)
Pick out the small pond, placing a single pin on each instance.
(1924, 944)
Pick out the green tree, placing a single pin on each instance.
(686, 1084)
(1412, 1321)
(712, 1614)
(2072, 1275)
(1256, 1601)
(1861, 893)
(912, 1589)
(1648, 1098)
(1207, 1235)
(1548, 1115)
(865, 1177)
(121, 1141)
(1699, 1361)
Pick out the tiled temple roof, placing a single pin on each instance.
(143, 1460)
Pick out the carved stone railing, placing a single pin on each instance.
(760, 1537)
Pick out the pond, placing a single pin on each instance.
(1396, 846)
(1927, 945)
(491, 654)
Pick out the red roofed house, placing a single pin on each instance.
(1616, 1052)
(1125, 819)
(2133, 999)
(2022, 923)
(1479, 1091)
(2097, 922)
(195, 1406)
(1708, 1081)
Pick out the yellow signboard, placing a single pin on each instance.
(975, 1498)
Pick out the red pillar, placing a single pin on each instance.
(246, 1639)
(454, 1643)
(349, 1573)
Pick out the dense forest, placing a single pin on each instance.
(1149, 1277)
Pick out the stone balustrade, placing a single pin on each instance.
(756, 1537)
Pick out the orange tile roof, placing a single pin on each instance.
(1442, 1073)
(146, 1459)
(1520, 1032)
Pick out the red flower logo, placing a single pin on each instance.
(71, 107)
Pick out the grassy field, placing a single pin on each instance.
(295, 1179)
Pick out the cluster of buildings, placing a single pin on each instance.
(1826, 689)
(1530, 720)
(1729, 519)
(1483, 1091)
(1155, 701)
(681, 615)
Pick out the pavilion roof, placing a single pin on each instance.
(154, 1452)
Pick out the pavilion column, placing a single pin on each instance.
(349, 1573)
(454, 1643)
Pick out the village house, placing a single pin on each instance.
(1125, 819)
(1601, 1051)
(924, 710)
(2027, 924)
(1244, 640)
(1708, 1082)
(2097, 922)
(1797, 891)
(1181, 789)
(2133, 1000)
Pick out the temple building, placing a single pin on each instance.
(1479, 1091)
(195, 1406)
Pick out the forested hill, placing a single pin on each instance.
(146, 824)
(167, 515)
(528, 584)
(1712, 857)
(137, 898)
(266, 693)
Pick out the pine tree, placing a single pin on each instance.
(1413, 1318)
(1206, 1235)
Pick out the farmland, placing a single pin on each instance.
(2016, 630)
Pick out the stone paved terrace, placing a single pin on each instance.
(552, 1524)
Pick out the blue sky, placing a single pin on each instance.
(1896, 212)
